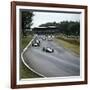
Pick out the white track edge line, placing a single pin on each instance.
(25, 62)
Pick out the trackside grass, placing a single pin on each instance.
(25, 40)
(24, 71)
(69, 44)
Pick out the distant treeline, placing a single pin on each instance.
(65, 27)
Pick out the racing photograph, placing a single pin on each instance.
(49, 44)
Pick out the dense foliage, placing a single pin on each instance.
(65, 27)
(26, 21)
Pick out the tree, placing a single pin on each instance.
(48, 24)
(26, 19)
(65, 27)
(74, 28)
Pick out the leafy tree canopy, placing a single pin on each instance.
(26, 19)
(65, 27)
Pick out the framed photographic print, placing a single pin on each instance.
(48, 44)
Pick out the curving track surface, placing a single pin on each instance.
(57, 64)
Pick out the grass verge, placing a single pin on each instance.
(27, 73)
(24, 71)
(25, 40)
(70, 40)
(70, 45)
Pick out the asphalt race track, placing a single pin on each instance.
(57, 64)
